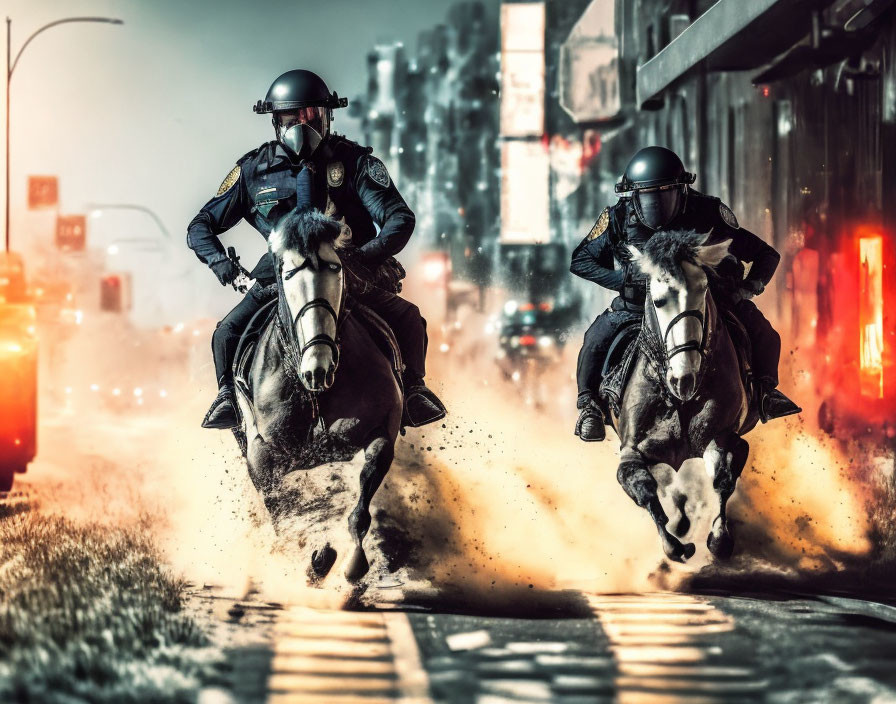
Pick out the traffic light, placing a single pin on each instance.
(114, 293)
(71, 232)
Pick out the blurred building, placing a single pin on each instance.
(433, 117)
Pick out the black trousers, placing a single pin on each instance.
(765, 341)
(598, 339)
(402, 316)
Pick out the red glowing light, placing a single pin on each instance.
(871, 326)
(526, 307)
(527, 340)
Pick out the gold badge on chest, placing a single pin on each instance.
(335, 174)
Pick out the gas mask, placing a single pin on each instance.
(300, 131)
(657, 207)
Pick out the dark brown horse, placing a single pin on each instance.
(319, 388)
(686, 398)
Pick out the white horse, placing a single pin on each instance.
(686, 397)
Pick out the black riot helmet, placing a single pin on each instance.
(659, 185)
(302, 108)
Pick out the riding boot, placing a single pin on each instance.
(772, 403)
(222, 414)
(421, 405)
(590, 424)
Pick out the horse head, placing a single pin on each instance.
(677, 265)
(311, 283)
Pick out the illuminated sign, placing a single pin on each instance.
(522, 69)
(71, 232)
(525, 166)
(589, 65)
(871, 317)
(43, 192)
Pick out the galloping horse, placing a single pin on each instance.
(319, 388)
(686, 397)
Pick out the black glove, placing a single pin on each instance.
(389, 275)
(225, 270)
(753, 287)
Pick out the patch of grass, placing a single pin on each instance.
(88, 613)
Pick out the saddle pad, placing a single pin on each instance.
(618, 366)
(382, 335)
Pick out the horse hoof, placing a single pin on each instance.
(322, 562)
(721, 545)
(674, 549)
(357, 566)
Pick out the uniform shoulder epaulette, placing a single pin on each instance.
(339, 142)
(253, 152)
(728, 216)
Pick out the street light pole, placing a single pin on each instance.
(11, 66)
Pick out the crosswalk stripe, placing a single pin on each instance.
(342, 657)
(665, 651)
(297, 664)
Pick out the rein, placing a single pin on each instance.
(322, 338)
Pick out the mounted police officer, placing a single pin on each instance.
(307, 165)
(662, 199)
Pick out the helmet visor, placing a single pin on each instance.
(302, 129)
(657, 207)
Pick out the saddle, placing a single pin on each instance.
(376, 327)
(618, 364)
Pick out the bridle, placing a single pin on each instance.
(665, 354)
(289, 324)
(321, 338)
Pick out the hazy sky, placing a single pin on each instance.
(156, 111)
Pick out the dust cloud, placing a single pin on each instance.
(499, 499)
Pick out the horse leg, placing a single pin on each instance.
(639, 484)
(724, 463)
(378, 458)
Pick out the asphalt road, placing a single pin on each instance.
(658, 648)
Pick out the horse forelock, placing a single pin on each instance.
(303, 231)
(667, 250)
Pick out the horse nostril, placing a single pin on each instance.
(686, 386)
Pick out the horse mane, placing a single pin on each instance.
(667, 249)
(304, 231)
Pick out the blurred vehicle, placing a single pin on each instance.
(12, 278)
(18, 390)
(531, 339)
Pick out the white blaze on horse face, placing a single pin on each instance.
(671, 297)
(315, 278)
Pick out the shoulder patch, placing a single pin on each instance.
(335, 174)
(728, 216)
(377, 172)
(229, 181)
(600, 227)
